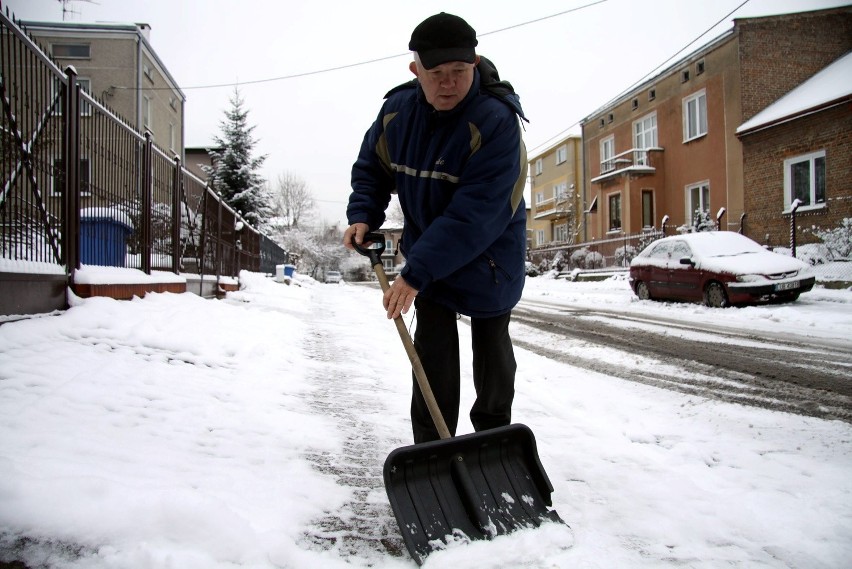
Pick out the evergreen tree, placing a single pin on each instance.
(235, 171)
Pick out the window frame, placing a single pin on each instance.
(612, 198)
(607, 157)
(642, 157)
(700, 100)
(85, 84)
(811, 158)
(647, 197)
(539, 167)
(562, 154)
(690, 207)
(147, 115)
(62, 44)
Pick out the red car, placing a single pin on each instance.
(720, 268)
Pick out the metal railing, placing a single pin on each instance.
(81, 186)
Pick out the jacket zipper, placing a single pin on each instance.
(493, 266)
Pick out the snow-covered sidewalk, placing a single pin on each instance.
(173, 431)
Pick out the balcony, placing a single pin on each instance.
(553, 208)
(633, 162)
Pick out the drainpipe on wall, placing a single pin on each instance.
(139, 124)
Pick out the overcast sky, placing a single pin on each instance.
(565, 58)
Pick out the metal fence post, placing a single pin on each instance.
(71, 175)
(147, 197)
(177, 199)
(219, 245)
(719, 215)
(742, 223)
(793, 207)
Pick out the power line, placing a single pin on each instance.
(360, 63)
(644, 77)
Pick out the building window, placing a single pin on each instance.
(695, 116)
(539, 237)
(684, 76)
(560, 191)
(804, 180)
(652, 94)
(603, 123)
(560, 232)
(647, 209)
(85, 85)
(699, 67)
(539, 198)
(607, 154)
(59, 177)
(615, 212)
(538, 167)
(610, 117)
(71, 50)
(146, 111)
(171, 136)
(561, 154)
(697, 201)
(644, 137)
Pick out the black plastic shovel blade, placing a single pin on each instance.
(481, 485)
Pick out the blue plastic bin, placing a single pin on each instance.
(103, 241)
(289, 270)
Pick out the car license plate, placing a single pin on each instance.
(787, 286)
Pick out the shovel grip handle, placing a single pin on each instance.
(374, 253)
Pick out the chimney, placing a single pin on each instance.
(145, 30)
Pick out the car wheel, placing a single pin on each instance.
(642, 291)
(715, 296)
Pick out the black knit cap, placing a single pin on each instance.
(442, 38)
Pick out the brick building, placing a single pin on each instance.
(800, 148)
(669, 147)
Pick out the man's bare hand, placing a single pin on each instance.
(355, 232)
(398, 298)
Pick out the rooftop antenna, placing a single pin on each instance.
(67, 8)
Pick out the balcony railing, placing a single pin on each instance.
(635, 161)
(552, 208)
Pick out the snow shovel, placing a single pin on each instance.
(474, 486)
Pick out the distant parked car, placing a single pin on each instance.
(720, 268)
(332, 277)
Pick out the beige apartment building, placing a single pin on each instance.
(556, 178)
(668, 150)
(117, 65)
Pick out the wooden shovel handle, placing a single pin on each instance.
(416, 365)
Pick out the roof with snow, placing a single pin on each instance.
(828, 87)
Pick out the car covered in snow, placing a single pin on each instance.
(333, 277)
(720, 268)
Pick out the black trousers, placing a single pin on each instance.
(436, 340)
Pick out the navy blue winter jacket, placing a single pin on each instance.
(460, 177)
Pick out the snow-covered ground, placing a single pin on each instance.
(178, 432)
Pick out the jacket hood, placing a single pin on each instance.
(489, 83)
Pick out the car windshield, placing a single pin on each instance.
(724, 244)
